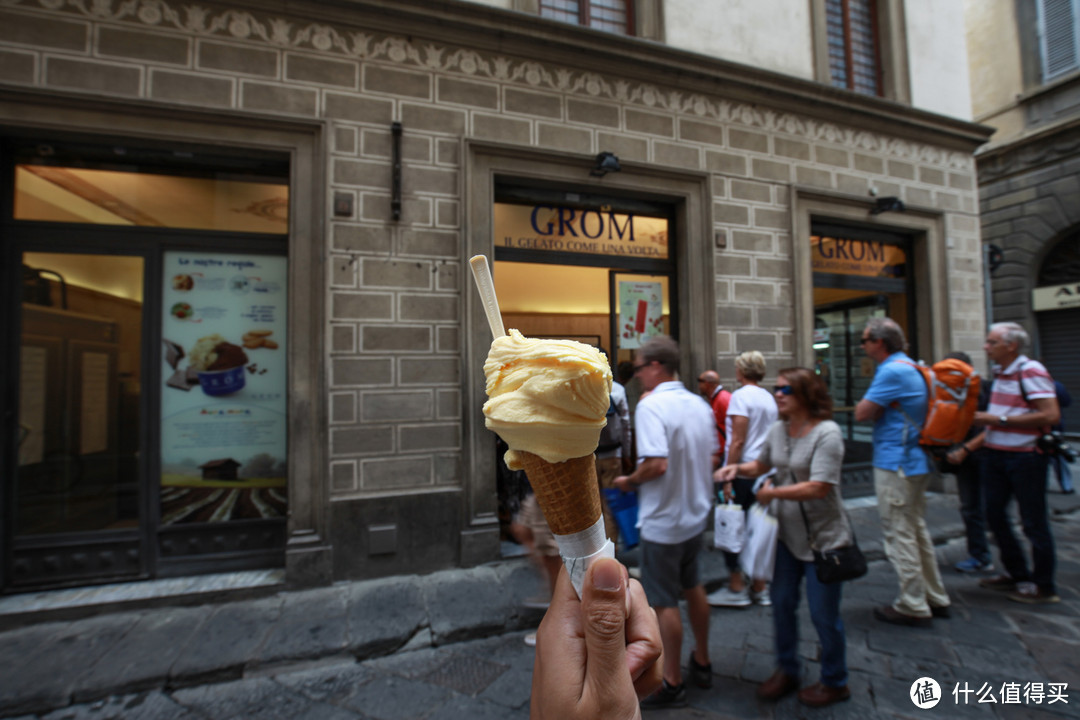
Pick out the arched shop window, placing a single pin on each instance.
(1056, 302)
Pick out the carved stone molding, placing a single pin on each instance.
(286, 34)
(1030, 153)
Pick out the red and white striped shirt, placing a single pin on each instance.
(1007, 399)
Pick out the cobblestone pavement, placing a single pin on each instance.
(989, 644)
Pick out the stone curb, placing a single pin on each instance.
(53, 664)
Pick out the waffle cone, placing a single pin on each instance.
(567, 492)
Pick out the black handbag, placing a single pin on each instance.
(839, 564)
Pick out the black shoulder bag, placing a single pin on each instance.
(846, 562)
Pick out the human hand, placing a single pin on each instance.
(956, 455)
(726, 474)
(765, 493)
(623, 483)
(596, 657)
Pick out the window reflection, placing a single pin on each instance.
(79, 389)
(109, 197)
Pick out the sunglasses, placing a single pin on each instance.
(863, 341)
(783, 389)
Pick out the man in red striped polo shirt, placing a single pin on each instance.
(1022, 404)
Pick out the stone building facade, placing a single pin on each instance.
(1028, 89)
(390, 468)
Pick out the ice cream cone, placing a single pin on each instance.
(567, 492)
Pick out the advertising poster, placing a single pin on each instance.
(223, 395)
(641, 313)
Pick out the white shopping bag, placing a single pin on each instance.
(729, 527)
(759, 553)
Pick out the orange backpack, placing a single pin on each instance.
(953, 395)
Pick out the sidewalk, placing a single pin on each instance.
(421, 635)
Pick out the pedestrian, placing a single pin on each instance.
(597, 656)
(896, 401)
(807, 449)
(1058, 461)
(1022, 401)
(718, 398)
(676, 445)
(962, 460)
(750, 414)
(613, 452)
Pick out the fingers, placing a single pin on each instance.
(603, 612)
(644, 649)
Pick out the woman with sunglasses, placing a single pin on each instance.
(807, 449)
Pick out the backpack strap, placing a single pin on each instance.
(907, 418)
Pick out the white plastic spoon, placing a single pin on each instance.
(482, 274)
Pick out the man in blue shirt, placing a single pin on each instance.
(896, 402)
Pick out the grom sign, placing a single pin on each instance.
(562, 229)
(869, 258)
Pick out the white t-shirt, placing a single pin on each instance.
(676, 424)
(758, 406)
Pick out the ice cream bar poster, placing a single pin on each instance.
(641, 312)
(223, 387)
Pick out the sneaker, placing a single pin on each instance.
(700, 675)
(1002, 583)
(728, 598)
(530, 639)
(1030, 593)
(667, 696)
(974, 565)
(761, 598)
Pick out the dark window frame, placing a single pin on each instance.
(847, 40)
(585, 14)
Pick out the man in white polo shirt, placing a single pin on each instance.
(676, 444)
(1022, 403)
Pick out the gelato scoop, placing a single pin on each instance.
(213, 352)
(546, 397)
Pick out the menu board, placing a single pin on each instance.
(641, 313)
(223, 387)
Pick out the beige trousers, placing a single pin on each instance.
(902, 505)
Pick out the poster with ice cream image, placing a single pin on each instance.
(641, 312)
(223, 390)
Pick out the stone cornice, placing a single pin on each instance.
(1048, 145)
(484, 43)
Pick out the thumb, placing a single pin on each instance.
(603, 614)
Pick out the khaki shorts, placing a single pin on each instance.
(532, 517)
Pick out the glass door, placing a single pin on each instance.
(77, 494)
(847, 372)
(859, 273)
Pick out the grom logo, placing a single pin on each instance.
(593, 231)
(843, 256)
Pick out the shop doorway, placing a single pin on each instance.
(1056, 304)
(133, 274)
(586, 267)
(858, 274)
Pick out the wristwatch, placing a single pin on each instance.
(1003, 419)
